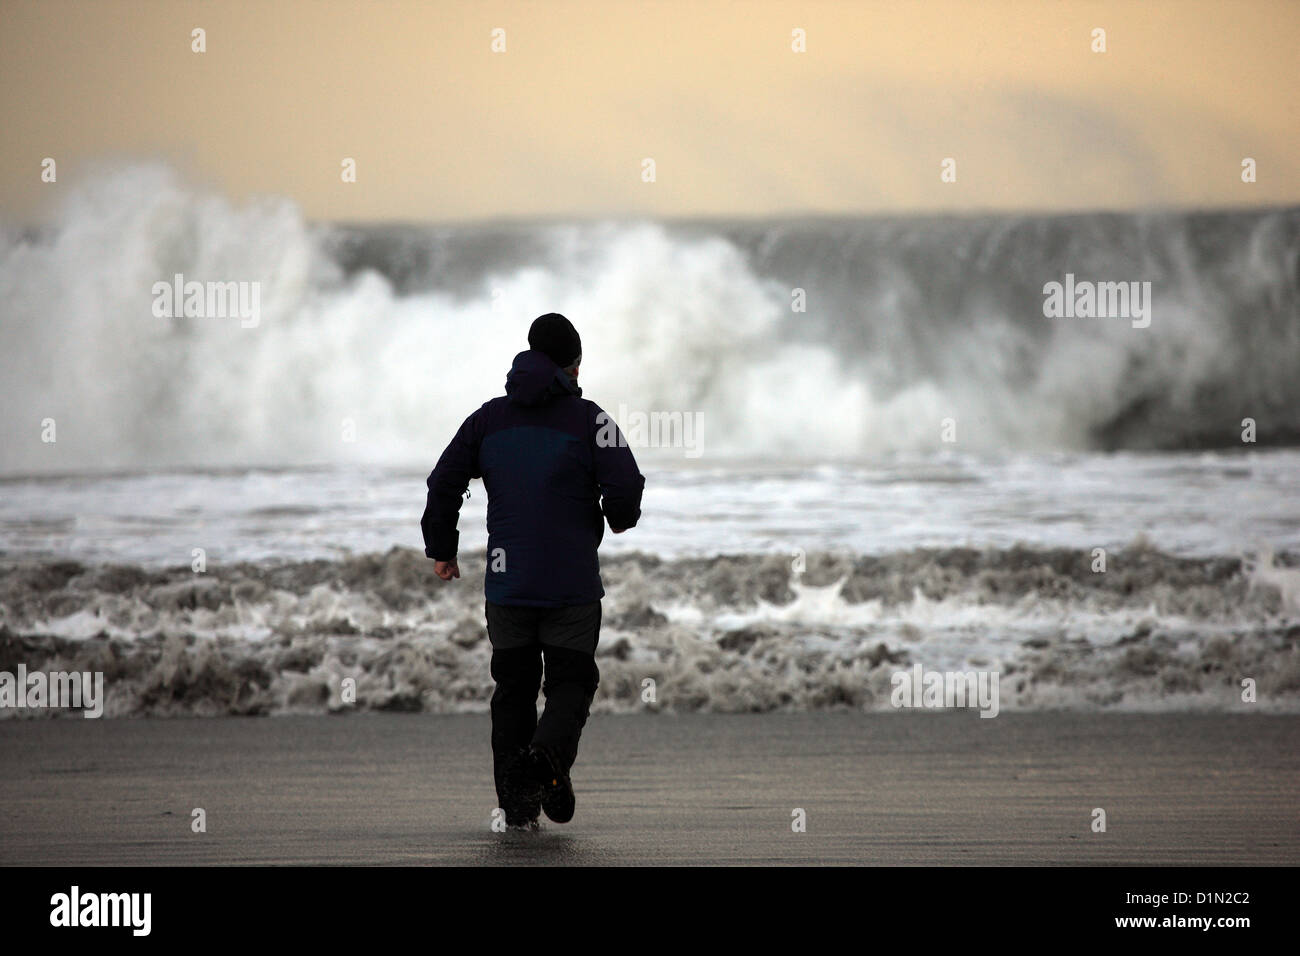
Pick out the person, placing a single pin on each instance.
(556, 468)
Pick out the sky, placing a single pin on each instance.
(737, 123)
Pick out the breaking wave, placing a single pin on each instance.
(402, 331)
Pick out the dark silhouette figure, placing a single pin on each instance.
(556, 468)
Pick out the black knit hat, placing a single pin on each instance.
(555, 337)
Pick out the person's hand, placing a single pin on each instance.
(446, 569)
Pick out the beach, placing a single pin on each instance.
(933, 521)
(914, 788)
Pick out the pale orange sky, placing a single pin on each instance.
(738, 124)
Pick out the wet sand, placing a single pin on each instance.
(899, 788)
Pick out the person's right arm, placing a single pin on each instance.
(447, 483)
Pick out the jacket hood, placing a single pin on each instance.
(534, 379)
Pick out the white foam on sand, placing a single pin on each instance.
(722, 635)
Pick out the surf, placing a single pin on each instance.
(402, 330)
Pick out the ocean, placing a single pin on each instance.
(899, 459)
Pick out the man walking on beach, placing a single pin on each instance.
(556, 468)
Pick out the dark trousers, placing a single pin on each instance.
(521, 638)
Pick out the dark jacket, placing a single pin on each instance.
(547, 478)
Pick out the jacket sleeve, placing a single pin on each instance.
(621, 483)
(447, 483)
